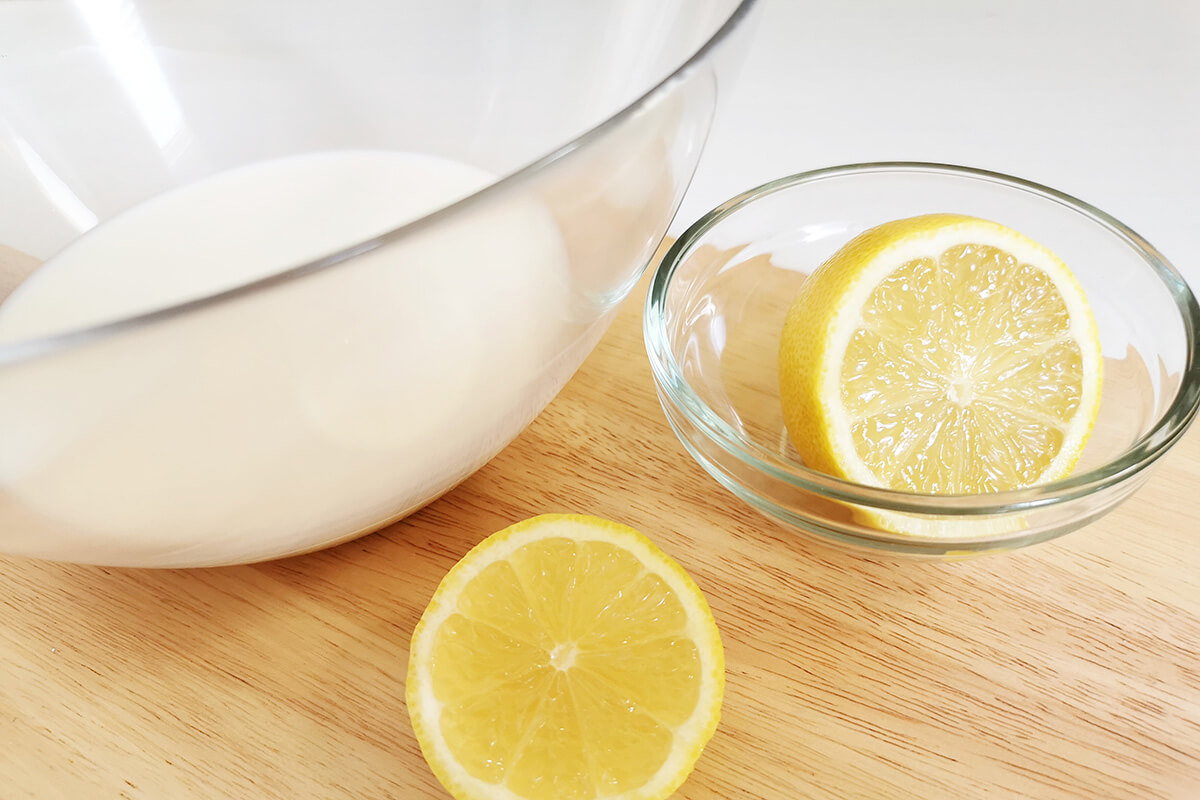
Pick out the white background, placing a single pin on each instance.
(1098, 99)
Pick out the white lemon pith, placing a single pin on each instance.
(941, 354)
(565, 658)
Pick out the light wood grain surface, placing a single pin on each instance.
(1069, 670)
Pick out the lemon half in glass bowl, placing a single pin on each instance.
(719, 305)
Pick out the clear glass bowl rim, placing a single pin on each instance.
(1145, 451)
(27, 350)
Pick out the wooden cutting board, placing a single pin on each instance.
(1069, 670)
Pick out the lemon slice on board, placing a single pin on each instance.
(941, 354)
(565, 658)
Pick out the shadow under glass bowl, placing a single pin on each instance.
(717, 305)
(329, 389)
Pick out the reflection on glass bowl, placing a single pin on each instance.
(313, 355)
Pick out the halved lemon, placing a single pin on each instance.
(941, 354)
(565, 658)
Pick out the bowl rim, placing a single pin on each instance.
(20, 351)
(675, 389)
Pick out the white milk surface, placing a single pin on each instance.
(284, 418)
(228, 230)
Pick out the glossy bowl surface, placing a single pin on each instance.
(717, 304)
(301, 407)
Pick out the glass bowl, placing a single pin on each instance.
(309, 264)
(717, 305)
